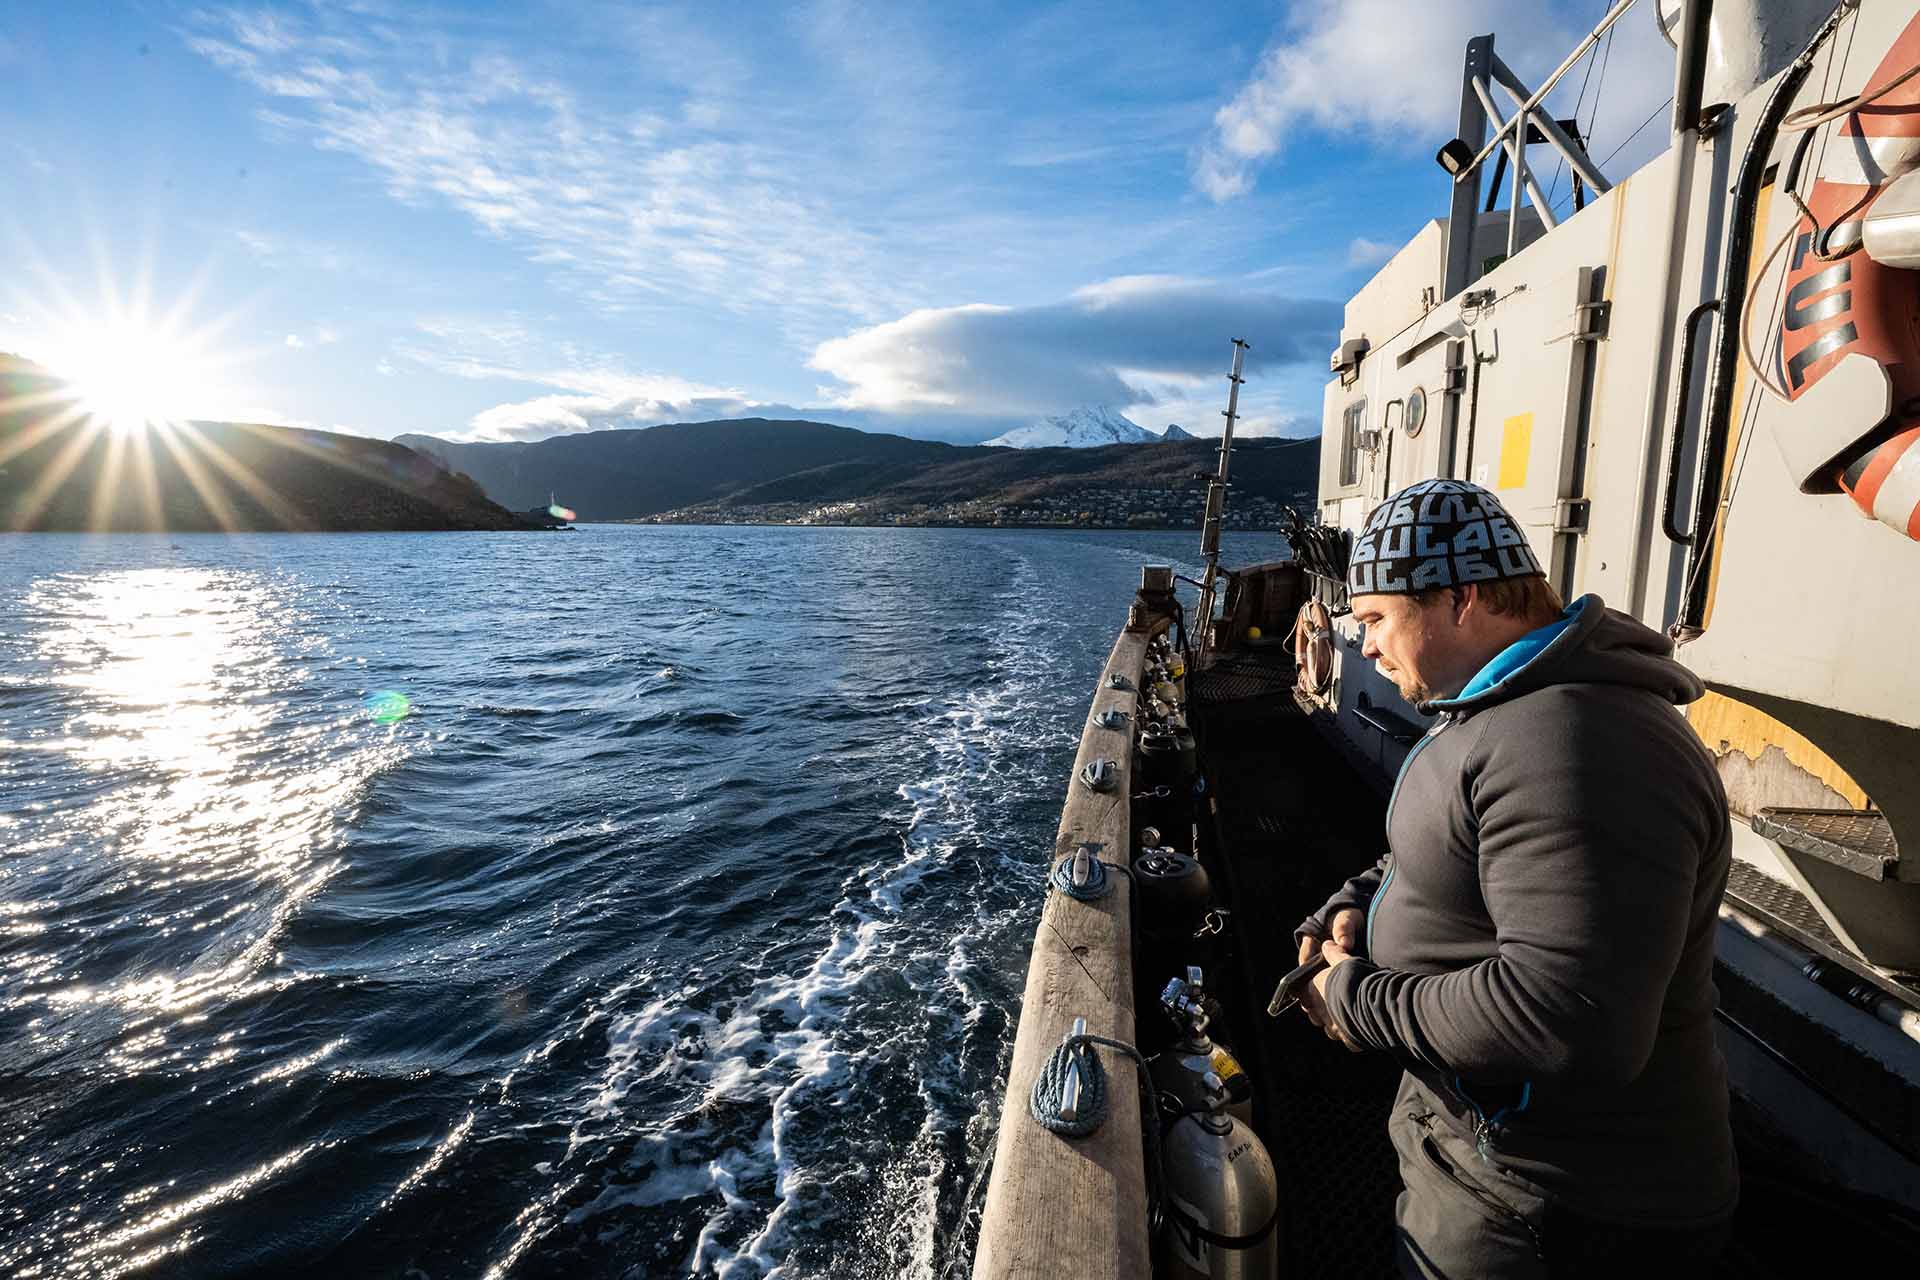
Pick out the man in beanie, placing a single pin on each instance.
(1537, 949)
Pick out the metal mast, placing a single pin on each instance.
(1217, 502)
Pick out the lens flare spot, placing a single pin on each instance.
(389, 706)
(559, 512)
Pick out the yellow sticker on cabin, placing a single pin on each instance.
(1516, 444)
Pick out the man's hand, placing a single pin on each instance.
(1345, 927)
(1314, 998)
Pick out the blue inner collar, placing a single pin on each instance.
(1517, 655)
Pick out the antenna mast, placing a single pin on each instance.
(1217, 502)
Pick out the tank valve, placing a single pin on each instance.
(1185, 1001)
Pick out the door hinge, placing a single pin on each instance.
(1570, 515)
(1591, 321)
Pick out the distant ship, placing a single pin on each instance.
(1700, 395)
(551, 516)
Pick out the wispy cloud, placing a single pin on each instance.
(1362, 252)
(635, 208)
(279, 251)
(580, 390)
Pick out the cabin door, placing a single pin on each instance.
(1528, 440)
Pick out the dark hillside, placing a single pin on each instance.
(1279, 470)
(618, 474)
(737, 464)
(62, 470)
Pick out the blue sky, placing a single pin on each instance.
(506, 221)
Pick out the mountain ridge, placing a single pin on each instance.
(729, 467)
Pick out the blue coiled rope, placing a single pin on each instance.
(1045, 1098)
(1061, 878)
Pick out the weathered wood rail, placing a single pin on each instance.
(1059, 1207)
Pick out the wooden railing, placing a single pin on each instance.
(1058, 1208)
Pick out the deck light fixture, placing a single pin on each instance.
(1455, 157)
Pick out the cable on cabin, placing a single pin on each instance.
(1804, 121)
(1593, 56)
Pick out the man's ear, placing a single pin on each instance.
(1463, 601)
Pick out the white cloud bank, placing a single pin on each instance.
(1131, 340)
(1390, 71)
(1156, 346)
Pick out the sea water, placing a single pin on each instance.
(628, 902)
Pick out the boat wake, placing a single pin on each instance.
(847, 1102)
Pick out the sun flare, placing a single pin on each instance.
(130, 375)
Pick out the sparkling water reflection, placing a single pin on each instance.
(628, 902)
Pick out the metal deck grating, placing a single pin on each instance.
(1785, 908)
(1781, 904)
(1238, 677)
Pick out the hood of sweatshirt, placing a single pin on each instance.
(1588, 644)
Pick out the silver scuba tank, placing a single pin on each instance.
(1222, 1200)
(1179, 1072)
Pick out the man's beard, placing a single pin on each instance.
(1411, 689)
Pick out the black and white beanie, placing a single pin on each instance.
(1438, 533)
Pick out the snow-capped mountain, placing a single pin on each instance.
(1084, 428)
(1173, 432)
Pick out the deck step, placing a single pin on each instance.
(1861, 840)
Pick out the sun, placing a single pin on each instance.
(130, 374)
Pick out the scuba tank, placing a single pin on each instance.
(1172, 895)
(1165, 812)
(1179, 1073)
(1222, 1198)
(1163, 791)
(1188, 749)
(1159, 756)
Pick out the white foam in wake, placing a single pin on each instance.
(719, 1061)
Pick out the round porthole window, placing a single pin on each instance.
(1416, 414)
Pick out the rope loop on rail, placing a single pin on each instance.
(1049, 1087)
(1084, 882)
(1045, 1102)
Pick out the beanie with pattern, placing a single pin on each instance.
(1438, 533)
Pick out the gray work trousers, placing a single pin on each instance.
(1461, 1217)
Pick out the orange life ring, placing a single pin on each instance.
(1847, 303)
(1313, 647)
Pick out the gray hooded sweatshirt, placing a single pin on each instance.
(1539, 942)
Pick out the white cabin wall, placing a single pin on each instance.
(1529, 396)
(1752, 40)
(1392, 299)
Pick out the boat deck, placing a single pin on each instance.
(1293, 821)
(1290, 820)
